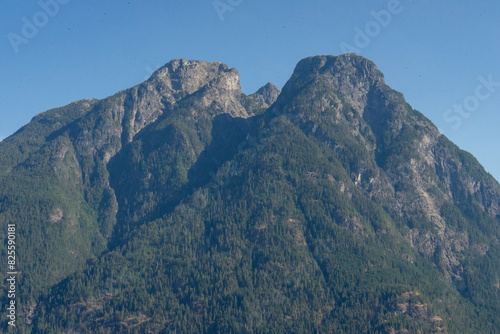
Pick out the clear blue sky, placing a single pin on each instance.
(435, 52)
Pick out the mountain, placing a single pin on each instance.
(184, 205)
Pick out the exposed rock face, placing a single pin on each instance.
(350, 76)
(406, 163)
(81, 139)
(214, 86)
(186, 77)
(267, 95)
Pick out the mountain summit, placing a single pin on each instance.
(184, 205)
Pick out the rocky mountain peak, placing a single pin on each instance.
(340, 67)
(191, 75)
(349, 76)
(269, 93)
